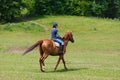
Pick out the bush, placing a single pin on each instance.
(113, 9)
(97, 9)
(81, 8)
(9, 10)
(29, 6)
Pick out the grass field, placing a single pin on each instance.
(95, 55)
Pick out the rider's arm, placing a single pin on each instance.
(58, 35)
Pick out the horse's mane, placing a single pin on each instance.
(66, 36)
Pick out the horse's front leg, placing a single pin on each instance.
(57, 63)
(64, 63)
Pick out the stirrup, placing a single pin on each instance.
(61, 52)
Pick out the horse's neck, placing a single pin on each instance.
(65, 39)
(65, 42)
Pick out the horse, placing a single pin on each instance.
(47, 47)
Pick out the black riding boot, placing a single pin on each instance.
(61, 49)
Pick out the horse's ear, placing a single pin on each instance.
(63, 38)
(70, 33)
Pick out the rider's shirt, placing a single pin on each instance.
(54, 33)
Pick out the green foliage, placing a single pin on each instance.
(113, 9)
(29, 5)
(49, 7)
(81, 8)
(9, 10)
(98, 9)
(42, 7)
(12, 9)
(106, 8)
(68, 7)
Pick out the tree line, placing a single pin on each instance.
(10, 10)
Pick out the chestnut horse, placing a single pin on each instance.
(48, 47)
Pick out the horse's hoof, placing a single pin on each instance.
(42, 70)
(66, 68)
(55, 70)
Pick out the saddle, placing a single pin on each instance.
(56, 44)
(61, 48)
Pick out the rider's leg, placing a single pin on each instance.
(61, 49)
(61, 46)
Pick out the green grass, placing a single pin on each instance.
(95, 55)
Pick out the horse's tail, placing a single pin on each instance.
(33, 46)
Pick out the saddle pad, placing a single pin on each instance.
(57, 44)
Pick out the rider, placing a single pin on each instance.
(56, 37)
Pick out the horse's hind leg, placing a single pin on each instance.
(42, 59)
(40, 62)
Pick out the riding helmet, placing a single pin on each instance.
(55, 24)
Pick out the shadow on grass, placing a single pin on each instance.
(57, 71)
(68, 70)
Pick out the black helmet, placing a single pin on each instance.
(55, 24)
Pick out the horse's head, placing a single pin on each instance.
(69, 36)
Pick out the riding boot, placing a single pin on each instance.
(61, 49)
